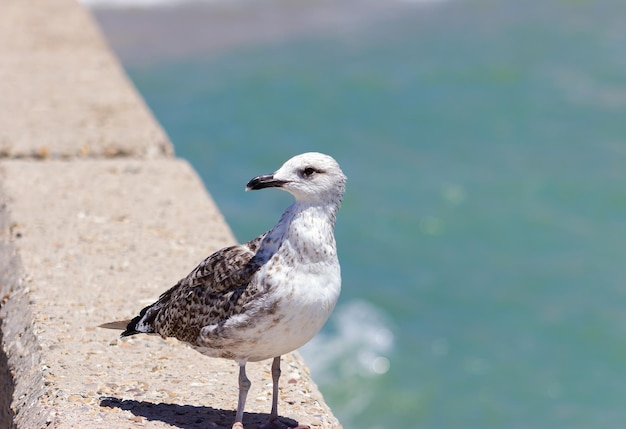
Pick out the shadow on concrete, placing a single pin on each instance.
(8, 263)
(188, 416)
(7, 388)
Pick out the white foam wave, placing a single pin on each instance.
(358, 343)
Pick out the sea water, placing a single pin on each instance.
(482, 237)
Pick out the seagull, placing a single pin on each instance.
(267, 297)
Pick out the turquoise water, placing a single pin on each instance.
(483, 233)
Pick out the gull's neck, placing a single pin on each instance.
(301, 210)
(304, 225)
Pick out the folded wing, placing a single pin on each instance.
(210, 294)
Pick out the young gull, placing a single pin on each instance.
(269, 296)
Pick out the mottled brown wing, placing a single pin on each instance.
(225, 269)
(208, 295)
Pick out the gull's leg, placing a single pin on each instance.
(244, 386)
(275, 377)
(273, 422)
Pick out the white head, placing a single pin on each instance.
(310, 177)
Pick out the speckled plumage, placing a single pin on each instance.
(266, 297)
(214, 291)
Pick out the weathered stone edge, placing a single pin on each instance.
(20, 352)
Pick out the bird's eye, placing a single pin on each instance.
(308, 172)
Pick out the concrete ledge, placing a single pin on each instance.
(63, 93)
(96, 220)
(20, 359)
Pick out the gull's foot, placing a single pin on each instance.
(237, 425)
(275, 423)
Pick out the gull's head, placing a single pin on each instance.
(310, 177)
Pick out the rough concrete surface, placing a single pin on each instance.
(58, 81)
(96, 220)
(22, 377)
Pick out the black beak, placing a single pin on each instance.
(265, 181)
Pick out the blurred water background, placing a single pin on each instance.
(483, 233)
